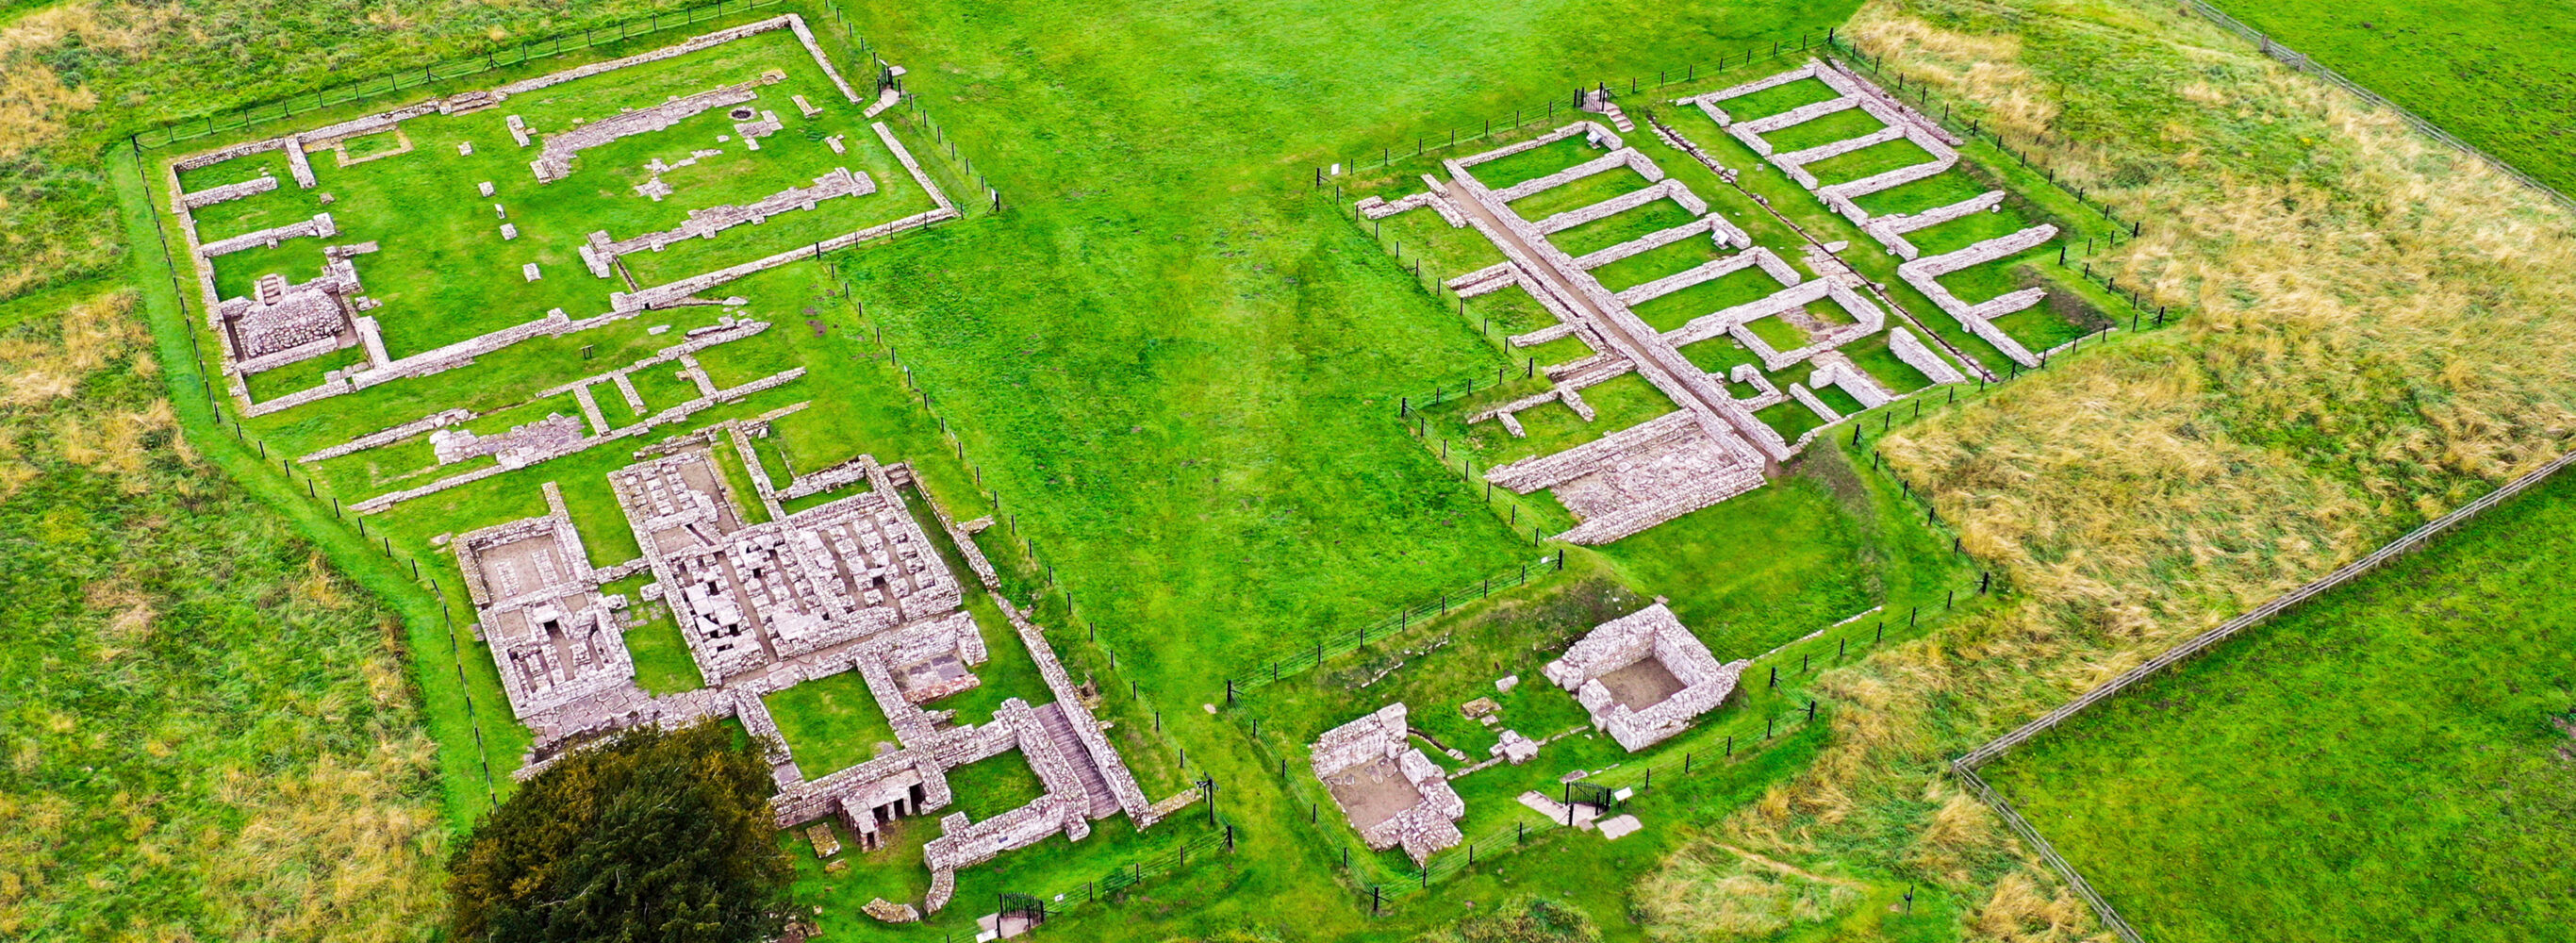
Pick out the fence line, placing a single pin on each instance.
(1965, 767)
(2047, 852)
(2301, 62)
(2196, 644)
(1123, 878)
(1345, 642)
(1445, 864)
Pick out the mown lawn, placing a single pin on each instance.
(2393, 760)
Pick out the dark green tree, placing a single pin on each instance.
(650, 837)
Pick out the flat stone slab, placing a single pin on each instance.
(1620, 827)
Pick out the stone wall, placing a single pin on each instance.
(1921, 357)
(1618, 643)
(1709, 102)
(706, 223)
(1593, 132)
(1890, 230)
(554, 159)
(1673, 190)
(185, 202)
(320, 225)
(1924, 274)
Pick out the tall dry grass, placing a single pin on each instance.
(2377, 332)
(208, 735)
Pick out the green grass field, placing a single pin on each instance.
(1171, 369)
(2393, 760)
(2500, 76)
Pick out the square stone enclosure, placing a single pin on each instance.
(1391, 793)
(1644, 677)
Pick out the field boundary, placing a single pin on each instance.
(1966, 765)
(2302, 62)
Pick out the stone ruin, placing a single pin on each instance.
(1898, 121)
(281, 323)
(750, 594)
(1644, 677)
(851, 585)
(1713, 447)
(554, 636)
(1388, 790)
(302, 314)
(513, 449)
(554, 159)
(600, 251)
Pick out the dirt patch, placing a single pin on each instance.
(1643, 684)
(1372, 792)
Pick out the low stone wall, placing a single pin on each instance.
(1708, 102)
(665, 417)
(1794, 163)
(1920, 356)
(210, 196)
(706, 223)
(320, 225)
(1592, 131)
(1721, 231)
(388, 436)
(1924, 274)
(1673, 190)
(1890, 231)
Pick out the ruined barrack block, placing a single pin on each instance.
(1925, 274)
(1572, 288)
(1593, 133)
(1635, 478)
(1708, 102)
(1890, 231)
(706, 223)
(1718, 228)
(1644, 677)
(1627, 157)
(554, 160)
(1708, 271)
(1673, 190)
(1867, 318)
(1390, 792)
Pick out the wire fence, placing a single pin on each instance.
(2303, 63)
(1603, 795)
(1967, 764)
(1713, 749)
(1395, 623)
(1116, 883)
